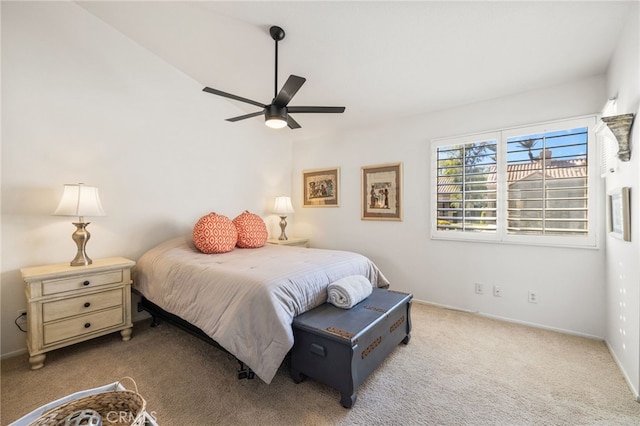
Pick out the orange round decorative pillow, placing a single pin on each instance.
(214, 233)
(252, 232)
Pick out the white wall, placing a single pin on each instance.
(569, 282)
(622, 258)
(82, 103)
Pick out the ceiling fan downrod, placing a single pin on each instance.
(277, 34)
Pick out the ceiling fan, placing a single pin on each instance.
(276, 113)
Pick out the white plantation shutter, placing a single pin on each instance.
(547, 185)
(524, 185)
(466, 187)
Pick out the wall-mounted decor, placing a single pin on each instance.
(321, 187)
(382, 192)
(619, 214)
(620, 126)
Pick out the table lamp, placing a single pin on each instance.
(282, 207)
(80, 200)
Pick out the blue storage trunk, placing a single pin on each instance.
(341, 347)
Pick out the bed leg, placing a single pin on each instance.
(245, 372)
(154, 321)
(154, 318)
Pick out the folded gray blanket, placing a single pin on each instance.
(347, 292)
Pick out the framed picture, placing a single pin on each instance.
(321, 187)
(619, 215)
(382, 192)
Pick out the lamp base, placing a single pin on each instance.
(283, 225)
(81, 236)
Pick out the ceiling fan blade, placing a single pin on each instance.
(293, 124)
(242, 117)
(315, 109)
(230, 96)
(289, 89)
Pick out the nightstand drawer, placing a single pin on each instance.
(81, 305)
(83, 281)
(74, 327)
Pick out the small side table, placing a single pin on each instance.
(70, 304)
(292, 241)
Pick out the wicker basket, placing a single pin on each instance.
(117, 407)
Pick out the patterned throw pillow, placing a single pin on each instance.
(214, 233)
(252, 232)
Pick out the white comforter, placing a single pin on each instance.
(246, 299)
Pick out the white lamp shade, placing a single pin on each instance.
(80, 200)
(283, 206)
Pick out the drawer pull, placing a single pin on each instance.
(87, 304)
(317, 349)
(87, 325)
(86, 283)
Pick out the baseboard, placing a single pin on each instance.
(511, 320)
(136, 317)
(139, 316)
(543, 327)
(440, 305)
(622, 371)
(14, 353)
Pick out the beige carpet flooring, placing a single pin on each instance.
(458, 369)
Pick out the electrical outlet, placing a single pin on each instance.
(497, 291)
(533, 296)
(479, 288)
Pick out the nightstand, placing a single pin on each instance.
(70, 304)
(292, 241)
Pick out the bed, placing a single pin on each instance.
(246, 299)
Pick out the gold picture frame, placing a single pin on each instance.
(381, 197)
(619, 214)
(321, 187)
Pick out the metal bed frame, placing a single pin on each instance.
(158, 315)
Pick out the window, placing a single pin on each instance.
(466, 186)
(522, 185)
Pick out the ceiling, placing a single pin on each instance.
(382, 60)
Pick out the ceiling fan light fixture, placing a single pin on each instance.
(275, 117)
(276, 123)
